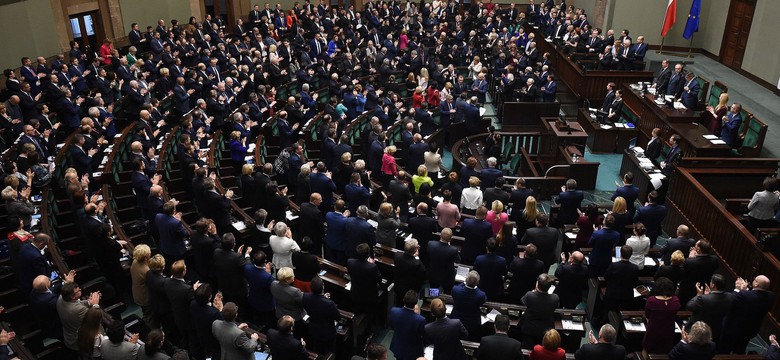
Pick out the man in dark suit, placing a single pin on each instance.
(609, 97)
(711, 304)
(312, 222)
(172, 233)
(500, 346)
(690, 94)
(399, 194)
(365, 279)
(628, 191)
(489, 175)
(545, 238)
(408, 328)
(31, 263)
(572, 280)
(443, 257)
(217, 206)
(335, 236)
(620, 277)
(416, 154)
(681, 242)
(676, 82)
(661, 82)
(731, 124)
(141, 183)
(323, 315)
(603, 348)
(180, 295)
(651, 215)
(468, 299)
(540, 311)
(445, 334)
(525, 269)
(321, 183)
(182, 96)
(409, 272)
(476, 232)
(358, 231)
(282, 343)
(203, 314)
(228, 271)
(43, 303)
(518, 197)
(570, 200)
(492, 269)
(699, 267)
(81, 158)
(746, 315)
(422, 228)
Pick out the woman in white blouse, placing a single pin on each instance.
(641, 245)
(433, 160)
(471, 198)
(475, 68)
(283, 246)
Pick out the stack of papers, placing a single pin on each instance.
(606, 127)
(289, 216)
(571, 325)
(239, 225)
(461, 273)
(571, 235)
(634, 327)
(620, 125)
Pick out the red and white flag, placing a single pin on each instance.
(671, 16)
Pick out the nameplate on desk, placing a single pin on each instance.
(240, 226)
(634, 327)
(572, 325)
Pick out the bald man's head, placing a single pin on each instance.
(761, 282)
(155, 190)
(577, 257)
(41, 283)
(136, 146)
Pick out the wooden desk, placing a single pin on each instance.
(641, 177)
(613, 140)
(575, 135)
(672, 121)
(632, 339)
(585, 172)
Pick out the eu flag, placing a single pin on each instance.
(692, 25)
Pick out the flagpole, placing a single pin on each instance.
(661, 50)
(690, 47)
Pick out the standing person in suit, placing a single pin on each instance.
(422, 228)
(711, 304)
(172, 232)
(572, 279)
(628, 191)
(476, 233)
(690, 93)
(699, 267)
(746, 315)
(312, 222)
(180, 295)
(336, 233)
(681, 242)
(204, 310)
(359, 231)
(602, 241)
(323, 315)
(467, 299)
(654, 147)
(545, 238)
(651, 215)
(549, 88)
(442, 257)
(204, 241)
(365, 280)
(228, 271)
(676, 82)
(216, 206)
(31, 262)
(695, 344)
(500, 346)
(517, 198)
(609, 97)
(731, 123)
(288, 299)
(525, 269)
(72, 310)
(409, 272)
(408, 328)
(620, 277)
(540, 310)
(445, 334)
(492, 268)
(234, 342)
(81, 158)
(322, 184)
(258, 277)
(661, 82)
(603, 348)
(43, 303)
(570, 200)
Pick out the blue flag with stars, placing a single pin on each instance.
(692, 25)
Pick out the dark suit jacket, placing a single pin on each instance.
(409, 329)
(711, 308)
(312, 224)
(358, 231)
(499, 347)
(572, 280)
(492, 269)
(524, 274)
(441, 268)
(621, 277)
(493, 194)
(180, 295)
(539, 315)
(678, 243)
(662, 80)
(29, 264)
(202, 317)
(141, 185)
(676, 84)
(466, 304)
(476, 232)
(203, 247)
(690, 351)
(365, 281)
(323, 313)
(747, 312)
(44, 308)
(651, 216)
(172, 235)
(698, 269)
(445, 335)
(518, 198)
(570, 201)
(228, 270)
(546, 240)
(217, 207)
(602, 241)
(285, 346)
(601, 351)
(488, 177)
(81, 161)
(630, 193)
(409, 274)
(422, 228)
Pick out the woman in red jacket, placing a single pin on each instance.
(105, 51)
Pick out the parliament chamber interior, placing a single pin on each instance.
(386, 179)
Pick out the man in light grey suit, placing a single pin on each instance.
(72, 309)
(116, 348)
(232, 338)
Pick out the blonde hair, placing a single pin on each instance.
(723, 101)
(473, 181)
(497, 206)
(247, 169)
(235, 135)
(619, 207)
(424, 73)
(700, 333)
(422, 170)
(9, 193)
(142, 253)
(391, 149)
(678, 258)
(418, 90)
(346, 157)
(551, 340)
(285, 275)
(385, 209)
(164, 71)
(530, 212)
(157, 263)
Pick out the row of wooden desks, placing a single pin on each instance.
(605, 140)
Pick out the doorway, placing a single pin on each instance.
(223, 8)
(87, 30)
(735, 35)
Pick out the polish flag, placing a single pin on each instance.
(671, 16)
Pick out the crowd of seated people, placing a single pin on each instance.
(204, 292)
